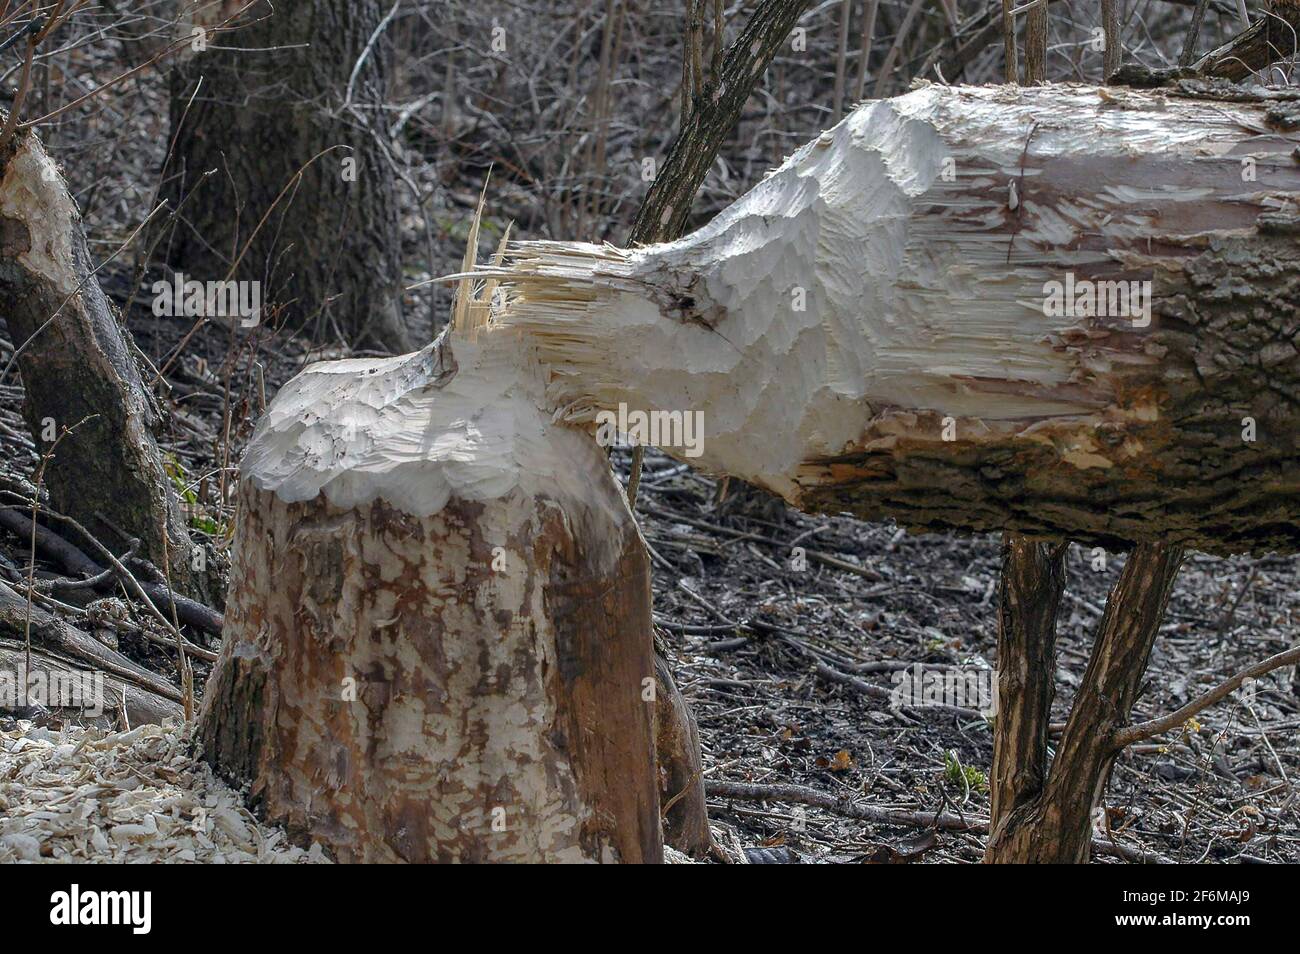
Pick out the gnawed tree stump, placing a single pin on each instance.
(438, 641)
(895, 323)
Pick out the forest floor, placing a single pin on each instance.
(779, 623)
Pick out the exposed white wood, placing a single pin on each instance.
(921, 235)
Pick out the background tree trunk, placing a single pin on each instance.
(1110, 24)
(663, 214)
(295, 93)
(79, 371)
(1037, 26)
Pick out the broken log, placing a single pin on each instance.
(438, 638)
(1270, 39)
(75, 561)
(67, 692)
(21, 621)
(1064, 311)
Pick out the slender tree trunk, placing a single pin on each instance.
(841, 61)
(668, 203)
(79, 373)
(1036, 30)
(1114, 54)
(1029, 592)
(278, 174)
(864, 47)
(1055, 827)
(1010, 56)
(1193, 33)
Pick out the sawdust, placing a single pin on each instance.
(81, 795)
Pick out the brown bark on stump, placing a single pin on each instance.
(438, 642)
(680, 767)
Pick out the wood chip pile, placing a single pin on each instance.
(79, 795)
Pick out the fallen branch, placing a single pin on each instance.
(865, 688)
(121, 696)
(1146, 730)
(52, 546)
(1266, 41)
(56, 635)
(946, 821)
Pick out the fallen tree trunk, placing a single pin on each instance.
(438, 640)
(1063, 311)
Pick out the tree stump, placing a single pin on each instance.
(438, 639)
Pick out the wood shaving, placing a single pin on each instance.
(82, 795)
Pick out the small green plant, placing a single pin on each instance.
(176, 471)
(963, 776)
(208, 525)
(198, 520)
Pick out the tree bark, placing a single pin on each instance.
(79, 372)
(1056, 826)
(282, 113)
(438, 641)
(1269, 39)
(894, 322)
(668, 203)
(1010, 55)
(1037, 22)
(1033, 578)
(680, 767)
(1114, 53)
